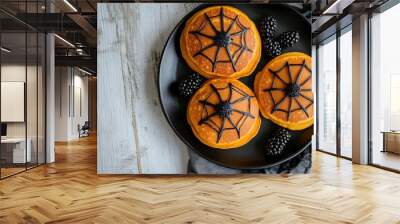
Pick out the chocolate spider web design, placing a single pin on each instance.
(220, 129)
(242, 46)
(287, 84)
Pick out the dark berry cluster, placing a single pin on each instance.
(188, 86)
(289, 39)
(268, 27)
(277, 143)
(274, 45)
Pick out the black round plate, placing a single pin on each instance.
(173, 69)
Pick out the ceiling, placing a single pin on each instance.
(16, 42)
(75, 22)
(336, 15)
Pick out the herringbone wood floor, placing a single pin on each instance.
(70, 191)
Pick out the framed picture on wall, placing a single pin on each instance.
(204, 88)
(12, 101)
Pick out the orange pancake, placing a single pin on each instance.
(224, 114)
(221, 42)
(284, 91)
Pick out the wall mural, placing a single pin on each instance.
(204, 88)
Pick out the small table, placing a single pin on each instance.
(391, 141)
(15, 148)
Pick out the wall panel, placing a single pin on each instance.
(133, 135)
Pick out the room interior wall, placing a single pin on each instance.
(32, 128)
(13, 98)
(16, 72)
(80, 102)
(71, 102)
(62, 80)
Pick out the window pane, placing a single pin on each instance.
(15, 150)
(327, 97)
(314, 73)
(385, 88)
(346, 94)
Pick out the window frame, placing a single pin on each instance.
(334, 37)
(381, 9)
(27, 29)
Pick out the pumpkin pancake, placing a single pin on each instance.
(224, 114)
(284, 91)
(221, 42)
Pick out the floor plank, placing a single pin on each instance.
(70, 191)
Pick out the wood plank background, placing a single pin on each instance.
(133, 135)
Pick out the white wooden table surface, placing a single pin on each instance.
(133, 135)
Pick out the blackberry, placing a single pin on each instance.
(188, 86)
(277, 143)
(288, 39)
(268, 26)
(271, 47)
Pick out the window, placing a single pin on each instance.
(327, 98)
(22, 78)
(346, 74)
(334, 112)
(385, 89)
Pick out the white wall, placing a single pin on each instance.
(16, 73)
(70, 83)
(62, 82)
(33, 126)
(12, 73)
(79, 117)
